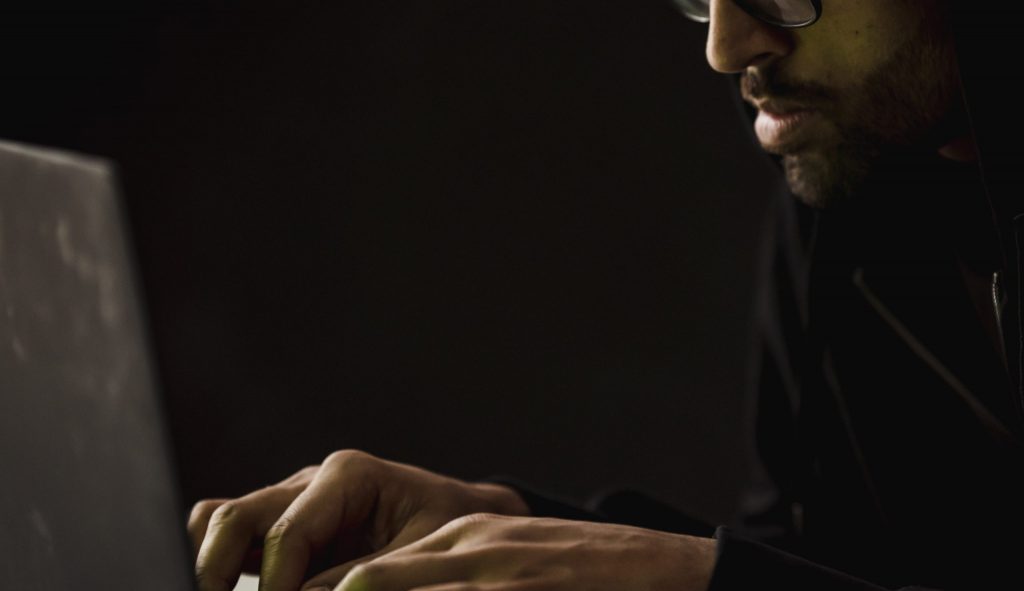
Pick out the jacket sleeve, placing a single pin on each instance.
(744, 564)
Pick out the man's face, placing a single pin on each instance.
(870, 76)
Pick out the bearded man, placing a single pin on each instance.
(888, 421)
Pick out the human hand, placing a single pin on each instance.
(353, 507)
(502, 553)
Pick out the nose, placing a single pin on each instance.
(737, 40)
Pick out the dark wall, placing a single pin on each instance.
(482, 237)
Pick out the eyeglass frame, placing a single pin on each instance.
(816, 4)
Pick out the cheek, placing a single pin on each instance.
(856, 40)
(848, 64)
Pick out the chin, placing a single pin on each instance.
(820, 181)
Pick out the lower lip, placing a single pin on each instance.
(776, 132)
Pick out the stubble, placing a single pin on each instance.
(909, 101)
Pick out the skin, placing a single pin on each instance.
(494, 551)
(383, 525)
(881, 74)
(351, 508)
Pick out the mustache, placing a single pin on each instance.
(761, 85)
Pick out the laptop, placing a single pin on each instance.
(88, 498)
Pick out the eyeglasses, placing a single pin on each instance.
(790, 14)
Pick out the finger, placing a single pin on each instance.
(477, 566)
(198, 520)
(418, 528)
(453, 532)
(330, 578)
(403, 572)
(334, 507)
(232, 530)
(434, 560)
(536, 584)
(202, 512)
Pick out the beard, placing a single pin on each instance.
(909, 102)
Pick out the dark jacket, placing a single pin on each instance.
(888, 406)
(890, 409)
(887, 424)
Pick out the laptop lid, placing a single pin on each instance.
(87, 495)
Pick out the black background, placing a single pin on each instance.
(482, 237)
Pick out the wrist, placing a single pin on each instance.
(701, 555)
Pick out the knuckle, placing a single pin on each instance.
(202, 511)
(472, 520)
(344, 456)
(227, 512)
(364, 575)
(282, 529)
(348, 458)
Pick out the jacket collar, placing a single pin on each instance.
(901, 240)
